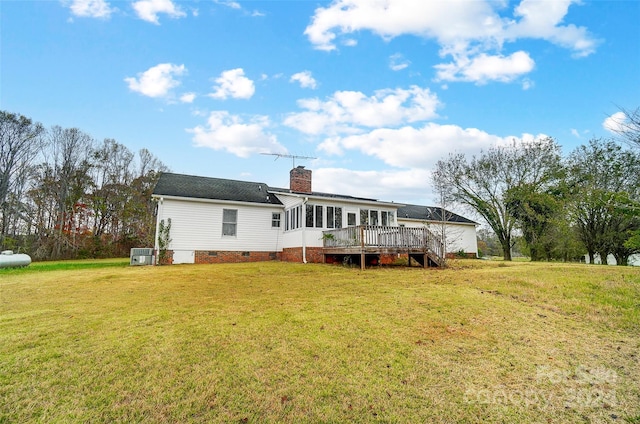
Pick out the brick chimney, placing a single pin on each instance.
(300, 180)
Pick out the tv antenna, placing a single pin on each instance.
(293, 157)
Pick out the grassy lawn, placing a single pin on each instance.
(482, 341)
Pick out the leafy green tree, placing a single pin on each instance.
(633, 242)
(604, 180)
(535, 211)
(483, 182)
(624, 224)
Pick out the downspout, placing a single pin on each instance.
(304, 229)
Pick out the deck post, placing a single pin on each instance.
(362, 256)
(425, 259)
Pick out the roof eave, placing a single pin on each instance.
(436, 221)
(226, 202)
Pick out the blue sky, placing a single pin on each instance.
(377, 91)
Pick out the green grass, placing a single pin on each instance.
(483, 341)
(66, 265)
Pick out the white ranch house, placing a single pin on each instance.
(217, 220)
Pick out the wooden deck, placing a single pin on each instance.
(419, 243)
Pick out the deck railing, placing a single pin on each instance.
(383, 236)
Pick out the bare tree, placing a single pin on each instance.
(444, 199)
(113, 175)
(628, 125)
(141, 219)
(20, 140)
(62, 196)
(70, 149)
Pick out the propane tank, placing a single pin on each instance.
(8, 259)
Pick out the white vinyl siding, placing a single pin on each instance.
(459, 236)
(198, 226)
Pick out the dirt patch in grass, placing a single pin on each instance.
(278, 342)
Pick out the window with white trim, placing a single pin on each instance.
(293, 218)
(229, 222)
(275, 219)
(309, 215)
(351, 219)
(387, 217)
(334, 217)
(373, 218)
(319, 220)
(364, 216)
(314, 216)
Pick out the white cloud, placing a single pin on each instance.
(157, 81)
(411, 154)
(410, 147)
(230, 133)
(447, 21)
(575, 132)
(228, 3)
(615, 123)
(542, 19)
(348, 111)
(148, 10)
(472, 32)
(397, 62)
(233, 83)
(90, 8)
(305, 79)
(188, 97)
(484, 68)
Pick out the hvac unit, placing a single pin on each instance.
(141, 256)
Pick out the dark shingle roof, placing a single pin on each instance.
(430, 213)
(213, 188)
(179, 185)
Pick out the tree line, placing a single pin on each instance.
(554, 207)
(64, 194)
